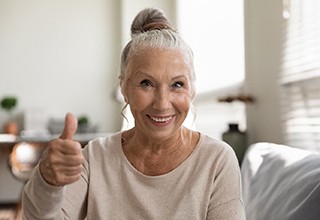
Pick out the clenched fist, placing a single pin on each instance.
(61, 162)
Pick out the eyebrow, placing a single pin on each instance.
(139, 73)
(180, 76)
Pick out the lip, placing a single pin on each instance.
(161, 120)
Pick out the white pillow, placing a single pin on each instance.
(281, 183)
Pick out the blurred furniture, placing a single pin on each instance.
(281, 183)
(22, 160)
(24, 153)
(7, 141)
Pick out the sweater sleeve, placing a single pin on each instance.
(226, 199)
(41, 200)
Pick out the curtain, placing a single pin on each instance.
(300, 78)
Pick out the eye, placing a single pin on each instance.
(178, 85)
(146, 83)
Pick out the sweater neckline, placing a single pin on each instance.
(181, 166)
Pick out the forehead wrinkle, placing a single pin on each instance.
(143, 68)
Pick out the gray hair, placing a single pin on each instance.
(151, 29)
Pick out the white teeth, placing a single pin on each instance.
(161, 119)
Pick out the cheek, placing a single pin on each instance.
(182, 101)
(139, 100)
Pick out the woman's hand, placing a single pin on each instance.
(61, 162)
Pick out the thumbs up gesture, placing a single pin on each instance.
(61, 162)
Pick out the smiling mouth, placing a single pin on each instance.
(161, 119)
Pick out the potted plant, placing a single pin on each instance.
(8, 103)
(83, 123)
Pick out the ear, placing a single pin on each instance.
(126, 100)
(123, 89)
(124, 94)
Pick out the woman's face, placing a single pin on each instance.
(159, 91)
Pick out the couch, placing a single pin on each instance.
(281, 183)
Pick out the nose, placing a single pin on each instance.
(162, 99)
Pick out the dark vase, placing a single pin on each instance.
(236, 139)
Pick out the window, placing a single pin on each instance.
(215, 32)
(300, 79)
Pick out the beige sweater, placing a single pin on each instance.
(206, 185)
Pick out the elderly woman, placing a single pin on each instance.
(159, 169)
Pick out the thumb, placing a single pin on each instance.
(70, 126)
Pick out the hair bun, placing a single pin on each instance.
(150, 19)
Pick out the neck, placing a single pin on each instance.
(154, 158)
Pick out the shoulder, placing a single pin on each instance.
(100, 145)
(216, 153)
(214, 145)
